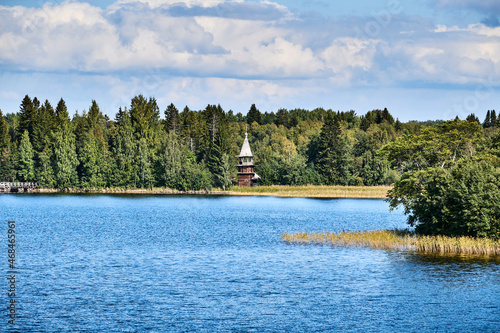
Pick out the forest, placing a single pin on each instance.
(196, 149)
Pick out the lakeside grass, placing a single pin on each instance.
(399, 240)
(307, 191)
(315, 191)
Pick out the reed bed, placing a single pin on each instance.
(398, 240)
(315, 191)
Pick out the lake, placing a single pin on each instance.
(91, 263)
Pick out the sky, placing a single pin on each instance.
(420, 59)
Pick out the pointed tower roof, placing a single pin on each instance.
(245, 149)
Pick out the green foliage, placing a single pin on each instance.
(171, 162)
(93, 153)
(376, 117)
(8, 162)
(27, 115)
(196, 149)
(282, 118)
(254, 115)
(330, 160)
(65, 159)
(26, 163)
(123, 150)
(295, 171)
(4, 132)
(44, 170)
(460, 201)
(144, 165)
(434, 146)
(172, 119)
(444, 189)
(44, 126)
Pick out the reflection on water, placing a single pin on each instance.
(161, 264)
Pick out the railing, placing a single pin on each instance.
(18, 185)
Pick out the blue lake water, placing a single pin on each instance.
(92, 263)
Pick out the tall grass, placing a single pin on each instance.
(398, 240)
(315, 191)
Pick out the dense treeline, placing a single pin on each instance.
(193, 150)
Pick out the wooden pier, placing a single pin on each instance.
(17, 187)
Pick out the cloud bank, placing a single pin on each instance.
(257, 51)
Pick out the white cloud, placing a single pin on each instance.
(236, 50)
(346, 54)
(161, 3)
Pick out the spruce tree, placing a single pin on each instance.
(26, 163)
(8, 162)
(493, 119)
(94, 152)
(44, 126)
(172, 119)
(282, 118)
(44, 171)
(124, 151)
(62, 115)
(331, 152)
(487, 120)
(4, 132)
(254, 115)
(188, 123)
(65, 159)
(171, 162)
(27, 116)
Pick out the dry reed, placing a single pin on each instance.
(398, 240)
(315, 191)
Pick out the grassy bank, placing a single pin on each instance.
(399, 240)
(312, 191)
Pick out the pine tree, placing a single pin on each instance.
(26, 163)
(472, 118)
(4, 132)
(282, 118)
(225, 172)
(189, 122)
(397, 125)
(171, 162)
(145, 116)
(44, 126)
(8, 162)
(27, 116)
(493, 119)
(94, 152)
(216, 138)
(253, 115)
(487, 120)
(124, 151)
(44, 170)
(331, 152)
(144, 164)
(62, 114)
(65, 157)
(172, 119)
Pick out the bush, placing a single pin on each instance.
(461, 201)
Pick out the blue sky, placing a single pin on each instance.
(421, 59)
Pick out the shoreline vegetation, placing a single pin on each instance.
(309, 191)
(403, 240)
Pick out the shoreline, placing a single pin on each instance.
(309, 191)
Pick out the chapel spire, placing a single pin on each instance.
(246, 174)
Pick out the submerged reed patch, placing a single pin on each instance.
(398, 240)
